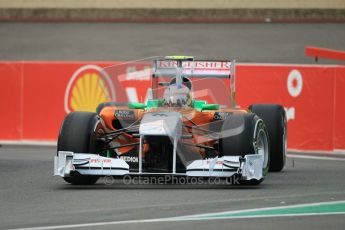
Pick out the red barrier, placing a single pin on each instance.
(11, 88)
(339, 109)
(317, 53)
(43, 97)
(307, 92)
(35, 97)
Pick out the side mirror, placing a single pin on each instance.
(210, 107)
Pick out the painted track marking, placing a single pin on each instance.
(314, 157)
(312, 209)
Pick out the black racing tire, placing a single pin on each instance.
(275, 119)
(238, 135)
(106, 104)
(75, 136)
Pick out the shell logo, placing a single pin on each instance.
(89, 86)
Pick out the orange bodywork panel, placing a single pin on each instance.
(117, 117)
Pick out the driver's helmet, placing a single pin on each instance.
(177, 95)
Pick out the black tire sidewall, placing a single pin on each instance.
(242, 143)
(76, 131)
(275, 119)
(75, 135)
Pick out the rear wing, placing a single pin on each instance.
(197, 68)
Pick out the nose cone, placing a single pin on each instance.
(161, 124)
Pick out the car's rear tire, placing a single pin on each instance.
(240, 135)
(75, 136)
(275, 119)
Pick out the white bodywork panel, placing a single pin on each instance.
(195, 68)
(161, 124)
(228, 166)
(88, 164)
(253, 167)
(92, 164)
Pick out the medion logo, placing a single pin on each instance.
(129, 159)
(89, 86)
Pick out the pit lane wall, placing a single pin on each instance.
(36, 96)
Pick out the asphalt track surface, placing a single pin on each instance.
(31, 197)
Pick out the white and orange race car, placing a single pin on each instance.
(189, 125)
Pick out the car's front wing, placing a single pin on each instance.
(249, 167)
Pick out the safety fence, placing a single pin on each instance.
(36, 96)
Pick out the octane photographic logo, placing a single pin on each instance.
(89, 86)
(171, 180)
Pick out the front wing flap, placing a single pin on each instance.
(88, 164)
(227, 166)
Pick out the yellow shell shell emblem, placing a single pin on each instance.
(88, 87)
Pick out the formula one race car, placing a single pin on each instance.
(189, 126)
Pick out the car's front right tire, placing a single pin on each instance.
(76, 136)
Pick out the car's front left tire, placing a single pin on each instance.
(244, 134)
(274, 117)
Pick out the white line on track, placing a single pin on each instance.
(196, 217)
(28, 142)
(314, 157)
(292, 195)
(260, 216)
